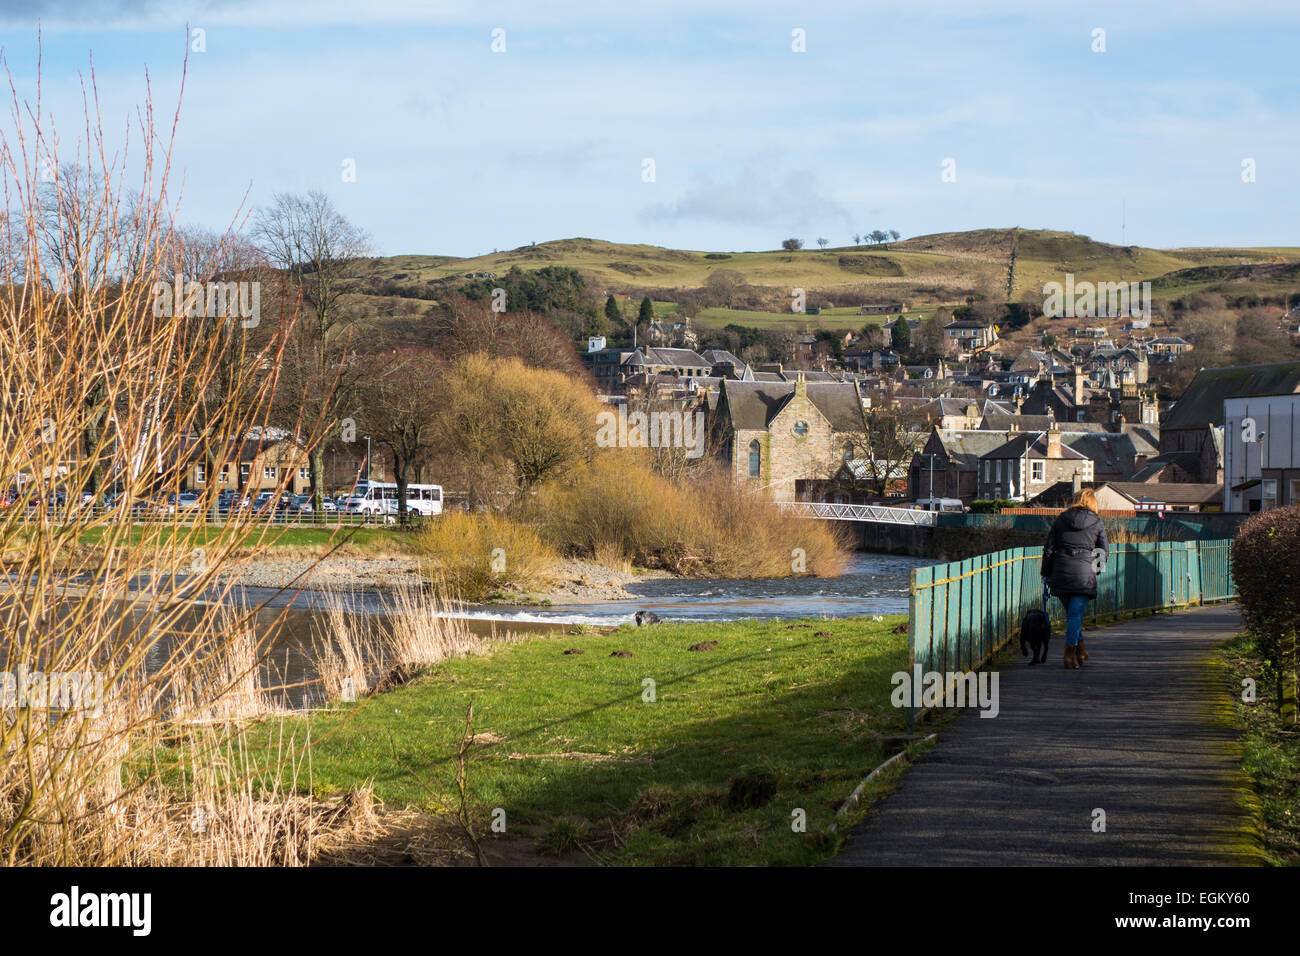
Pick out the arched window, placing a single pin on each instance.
(754, 458)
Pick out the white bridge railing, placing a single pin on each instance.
(879, 513)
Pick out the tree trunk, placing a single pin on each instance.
(316, 474)
(90, 438)
(400, 468)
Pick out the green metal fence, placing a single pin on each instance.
(964, 612)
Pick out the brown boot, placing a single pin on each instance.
(1080, 655)
(1069, 657)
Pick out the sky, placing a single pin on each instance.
(713, 125)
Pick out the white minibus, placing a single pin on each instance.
(380, 498)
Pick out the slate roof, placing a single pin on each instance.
(811, 376)
(1189, 461)
(964, 447)
(1111, 453)
(1171, 492)
(678, 358)
(721, 357)
(753, 405)
(1027, 423)
(1033, 443)
(950, 406)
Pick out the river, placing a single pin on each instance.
(870, 584)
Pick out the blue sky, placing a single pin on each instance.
(460, 150)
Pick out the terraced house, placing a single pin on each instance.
(261, 463)
(1029, 463)
(786, 437)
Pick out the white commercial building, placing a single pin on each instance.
(1261, 452)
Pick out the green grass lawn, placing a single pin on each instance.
(791, 321)
(197, 535)
(778, 718)
(1270, 752)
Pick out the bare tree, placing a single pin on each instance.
(883, 451)
(231, 264)
(463, 327)
(317, 248)
(402, 402)
(931, 339)
(722, 286)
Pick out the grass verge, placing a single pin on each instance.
(715, 763)
(1270, 751)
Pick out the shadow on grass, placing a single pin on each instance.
(722, 766)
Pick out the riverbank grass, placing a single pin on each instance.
(1270, 751)
(630, 747)
(261, 537)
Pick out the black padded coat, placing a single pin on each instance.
(1068, 553)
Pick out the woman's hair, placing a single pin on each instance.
(1086, 498)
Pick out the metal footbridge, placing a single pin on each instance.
(879, 514)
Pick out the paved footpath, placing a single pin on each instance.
(1130, 732)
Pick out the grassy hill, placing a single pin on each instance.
(924, 271)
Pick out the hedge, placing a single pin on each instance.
(1266, 568)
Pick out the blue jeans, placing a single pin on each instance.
(1074, 605)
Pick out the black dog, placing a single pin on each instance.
(1035, 632)
(646, 617)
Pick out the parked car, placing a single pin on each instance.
(187, 501)
(161, 505)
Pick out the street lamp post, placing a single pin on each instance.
(1263, 463)
(930, 469)
(367, 458)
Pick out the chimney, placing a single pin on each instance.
(1053, 442)
(1080, 382)
(800, 385)
(1077, 484)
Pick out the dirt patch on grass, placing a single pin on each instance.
(414, 838)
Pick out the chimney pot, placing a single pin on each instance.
(1053, 442)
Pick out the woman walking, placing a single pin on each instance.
(1075, 553)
